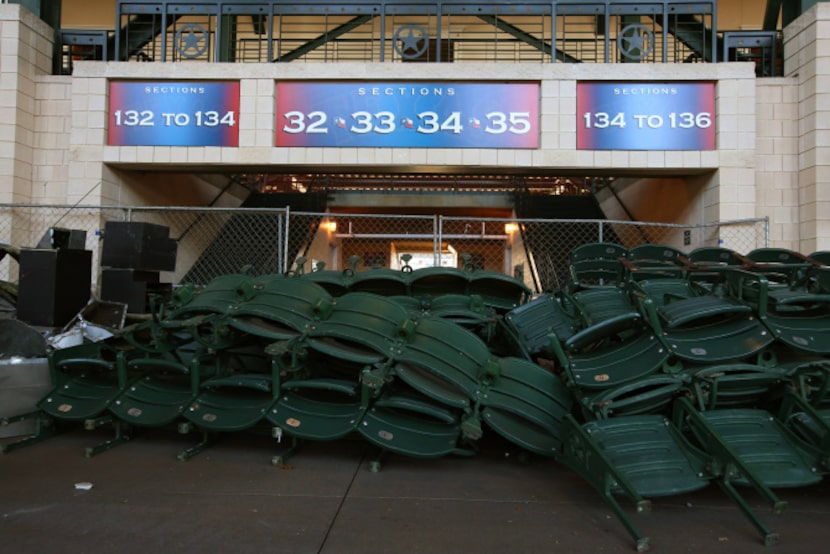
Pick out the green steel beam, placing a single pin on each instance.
(527, 38)
(771, 13)
(138, 41)
(227, 40)
(791, 9)
(693, 40)
(259, 24)
(323, 39)
(50, 12)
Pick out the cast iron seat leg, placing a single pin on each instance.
(771, 538)
(376, 463)
(44, 428)
(208, 440)
(280, 459)
(121, 434)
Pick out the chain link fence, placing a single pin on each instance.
(539, 249)
(217, 241)
(211, 241)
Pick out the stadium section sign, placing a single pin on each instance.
(187, 113)
(645, 116)
(408, 114)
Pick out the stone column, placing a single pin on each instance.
(25, 52)
(807, 51)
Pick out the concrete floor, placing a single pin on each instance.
(231, 499)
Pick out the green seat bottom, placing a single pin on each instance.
(760, 442)
(520, 432)
(720, 340)
(618, 363)
(152, 403)
(228, 408)
(79, 399)
(409, 433)
(317, 412)
(804, 333)
(688, 310)
(649, 454)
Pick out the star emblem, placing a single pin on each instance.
(191, 40)
(410, 41)
(635, 41)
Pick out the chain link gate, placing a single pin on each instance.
(363, 242)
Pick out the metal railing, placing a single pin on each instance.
(420, 30)
(763, 48)
(216, 241)
(82, 45)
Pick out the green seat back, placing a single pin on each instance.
(699, 308)
(214, 298)
(532, 324)
(385, 282)
(597, 305)
(525, 403)
(596, 264)
(647, 254)
(595, 273)
(465, 310)
(498, 290)
(336, 283)
(447, 352)
(737, 385)
(821, 256)
(437, 281)
(652, 394)
(435, 385)
(712, 256)
(359, 327)
(598, 251)
(278, 307)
